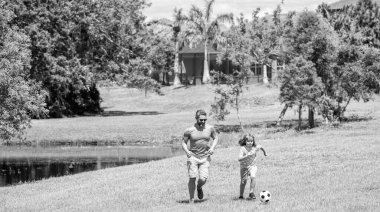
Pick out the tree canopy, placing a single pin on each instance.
(20, 96)
(77, 44)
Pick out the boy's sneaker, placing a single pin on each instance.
(200, 193)
(241, 197)
(252, 196)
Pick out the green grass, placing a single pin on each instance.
(321, 169)
(130, 117)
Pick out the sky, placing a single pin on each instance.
(164, 8)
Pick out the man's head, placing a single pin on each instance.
(201, 117)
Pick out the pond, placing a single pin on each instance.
(25, 164)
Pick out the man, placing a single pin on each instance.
(198, 155)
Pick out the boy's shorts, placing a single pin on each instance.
(197, 166)
(248, 171)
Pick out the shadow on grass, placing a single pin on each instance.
(195, 201)
(124, 113)
(270, 125)
(356, 118)
(181, 86)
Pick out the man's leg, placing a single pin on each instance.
(192, 168)
(203, 175)
(191, 186)
(201, 182)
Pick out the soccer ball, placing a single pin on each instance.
(265, 196)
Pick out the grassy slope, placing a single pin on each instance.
(317, 170)
(333, 170)
(163, 116)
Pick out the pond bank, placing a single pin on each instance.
(329, 170)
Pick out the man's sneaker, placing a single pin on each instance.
(200, 193)
(241, 197)
(191, 201)
(252, 196)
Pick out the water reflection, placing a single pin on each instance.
(15, 169)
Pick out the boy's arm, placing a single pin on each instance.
(242, 156)
(262, 149)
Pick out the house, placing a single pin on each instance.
(192, 64)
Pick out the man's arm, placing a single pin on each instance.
(214, 136)
(184, 146)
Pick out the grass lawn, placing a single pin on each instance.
(132, 118)
(322, 169)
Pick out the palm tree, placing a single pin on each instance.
(207, 30)
(179, 37)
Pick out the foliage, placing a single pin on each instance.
(300, 85)
(348, 69)
(313, 45)
(356, 73)
(246, 43)
(20, 98)
(227, 94)
(357, 24)
(206, 30)
(238, 50)
(356, 77)
(265, 35)
(76, 44)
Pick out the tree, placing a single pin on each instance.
(362, 18)
(20, 97)
(300, 85)
(246, 43)
(179, 39)
(179, 36)
(77, 44)
(207, 30)
(266, 35)
(356, 76)
(315, 40)
(238, 50)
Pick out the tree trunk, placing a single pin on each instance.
(206, 71)
(311, 117)
(237, 111)
(265, 75)
(299, 117)
(176, 81)
(282, 114)
(274, 71)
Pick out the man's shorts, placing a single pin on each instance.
(197, 166)
(248, 171)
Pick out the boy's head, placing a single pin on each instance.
(201, 117)
(247, 137)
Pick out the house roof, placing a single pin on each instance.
(199, 49)
(340, 4)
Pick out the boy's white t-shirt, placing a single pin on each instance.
(250, 160)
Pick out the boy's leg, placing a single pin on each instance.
(243, 180)
(253, 185)
(252, 173)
